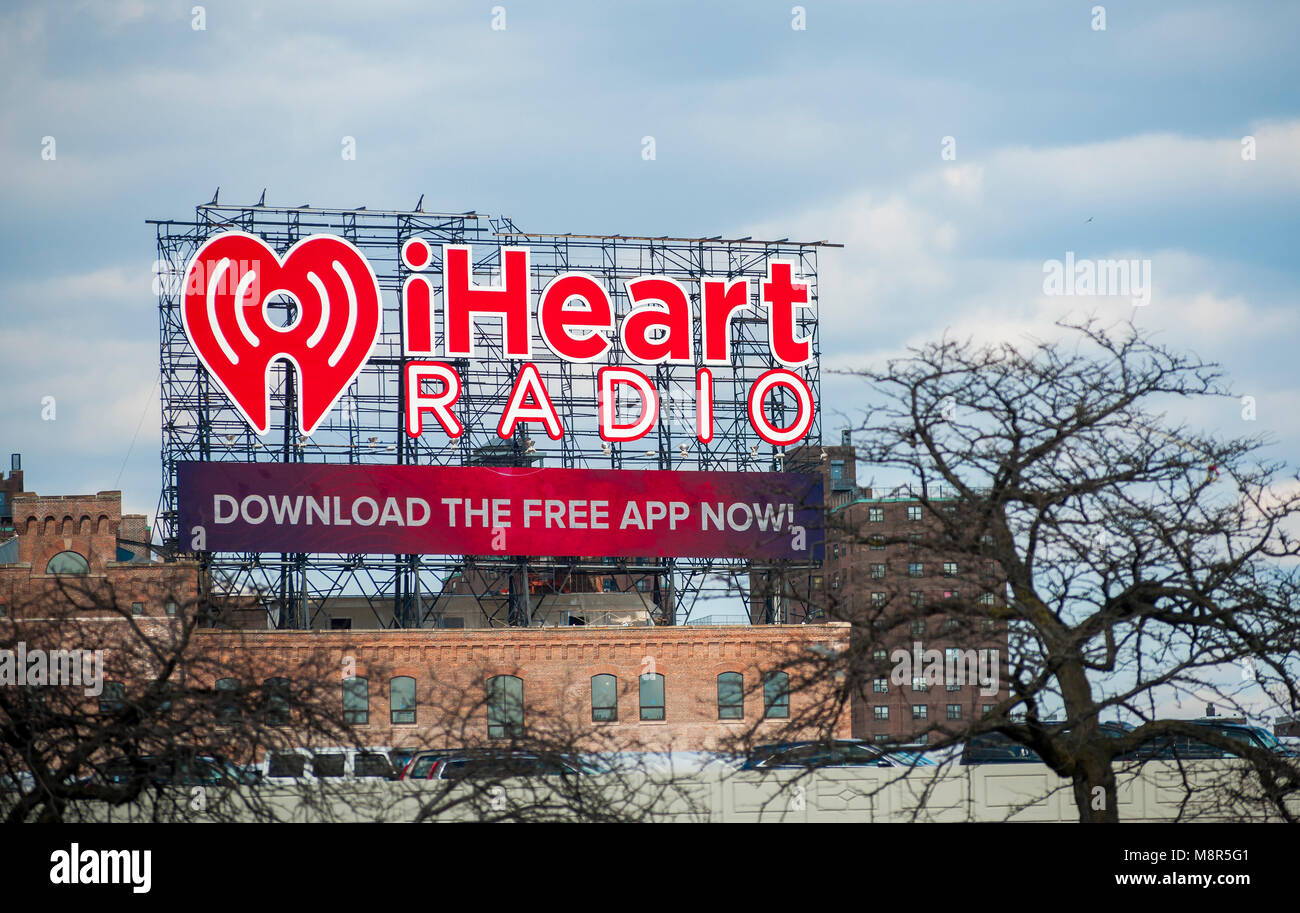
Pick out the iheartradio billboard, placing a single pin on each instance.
(339, 317)
(454, 510)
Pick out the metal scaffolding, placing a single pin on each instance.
(366, 426)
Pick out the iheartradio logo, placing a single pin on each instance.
(227, 286)
(234, 275)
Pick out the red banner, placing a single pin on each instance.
(479, 510)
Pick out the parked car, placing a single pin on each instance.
(995, 748)
(834, 753)
(422, 764)
(25, 782)
(200, 770)
(293, 765)
(400, 758)
(482, 764)
(1183, 747)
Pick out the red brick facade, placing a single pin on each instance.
(88, 526)
(451, 670)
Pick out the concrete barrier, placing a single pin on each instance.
(1159, 791)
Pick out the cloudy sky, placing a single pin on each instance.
(1122, 142)
(1125, 142)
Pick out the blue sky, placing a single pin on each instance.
(833, 132)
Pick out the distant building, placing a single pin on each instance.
(85, 544)
(10, 485)
(879, 576)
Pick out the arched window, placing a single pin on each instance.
(275, 696)
(731, 696)
(652, 696)
(401, 699)
(604, 699)
(776, 695)
(356, 701)
(68, 564)
(227, 700)
(505, 706)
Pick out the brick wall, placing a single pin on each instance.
(88, 525)
(451, 669)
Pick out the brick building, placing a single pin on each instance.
(84, 543)
(656, 688)
(648, 688)
(10, 485)
(886, 572)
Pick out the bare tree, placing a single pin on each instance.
(147, 712)
(1145, 561)
(170, 725)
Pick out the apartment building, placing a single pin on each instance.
(892, 573)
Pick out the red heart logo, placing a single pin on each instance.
(227, 284)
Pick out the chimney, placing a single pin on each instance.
(133, 528)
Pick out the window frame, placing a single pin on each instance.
(354, 716)
(504, 722)
(609, 708)
(394, 709)
(228, 710)
(736, 705)
(277, 700)
(109, 703)
(778, 708)
(652, 679)
(83, 569)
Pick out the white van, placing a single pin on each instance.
(295, 765)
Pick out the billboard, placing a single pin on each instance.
(307, 337)
(271, 507)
